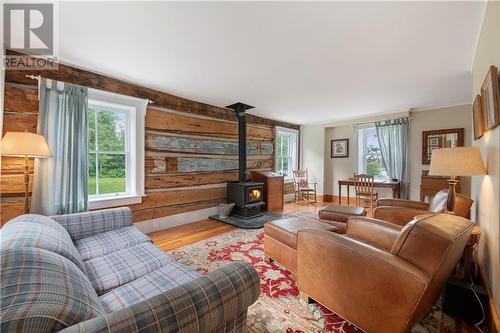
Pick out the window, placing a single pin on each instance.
(369, 156)
(286, 151)
(116, 146)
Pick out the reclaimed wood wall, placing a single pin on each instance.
(191, 147)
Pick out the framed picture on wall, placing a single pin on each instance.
(445, 138)
(490, 99)
(340, 148)
(478, 117)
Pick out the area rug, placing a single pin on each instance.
(253, 223)
(279, 309)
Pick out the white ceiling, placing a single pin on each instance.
(298, 62)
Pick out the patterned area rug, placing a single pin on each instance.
(278, 309)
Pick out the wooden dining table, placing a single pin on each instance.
(395, 186)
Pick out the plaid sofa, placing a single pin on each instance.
(95, 272)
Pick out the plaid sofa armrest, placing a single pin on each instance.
(82, 225)
(210, 303)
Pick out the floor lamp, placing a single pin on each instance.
(25, 144)
(455, 162)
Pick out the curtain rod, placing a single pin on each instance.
(374, 121)
(38, 77)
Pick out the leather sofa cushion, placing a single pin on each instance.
(41, 291)
(340, 213)
(286, 230)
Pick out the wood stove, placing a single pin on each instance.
(247, 196)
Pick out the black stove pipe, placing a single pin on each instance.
(240, 109)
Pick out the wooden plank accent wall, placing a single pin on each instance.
(191, 147)
(289, 188)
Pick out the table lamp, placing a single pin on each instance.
(25, 144)
(454, 162)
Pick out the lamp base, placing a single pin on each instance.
(26, 185)
(450, 203)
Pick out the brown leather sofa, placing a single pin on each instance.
(380, 276)
(403, 211)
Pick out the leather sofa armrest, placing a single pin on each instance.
(355, 279)
(380, 233)
(402, 203)
(397, 215)
(211, 303)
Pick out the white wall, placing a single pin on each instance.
(312, 153)
(326, 170)
(339, 168)
(435, 119)
(486, 190)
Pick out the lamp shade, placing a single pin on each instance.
(24, 144)
(459, 161)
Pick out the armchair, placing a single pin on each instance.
(401, 211)
(381, 277)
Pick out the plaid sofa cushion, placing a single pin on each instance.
(216, 302)
(40, 232)
(41, 291)
(167, 277)
(81, 225)
(110, 241)
(120, 267)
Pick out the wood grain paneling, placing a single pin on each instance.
(197, 164)
(20, 99)
(197, 145)
(180, 197)
(13, 185)
(19, 122)
(185, 180)
(10, 209)
(144, 215)
(166, 121)
(289, 188)
(15, 165)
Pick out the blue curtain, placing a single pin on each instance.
(60, 182)
(393, 140)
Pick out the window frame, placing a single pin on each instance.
(135, 111)
(127, 111)
(361, 162)
(293, 147)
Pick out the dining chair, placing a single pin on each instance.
(303, 188)
(364, 188)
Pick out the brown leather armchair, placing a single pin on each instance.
(380, 276)
(403, 211)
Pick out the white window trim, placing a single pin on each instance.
(362, 160)
(135, 130)
(356, 129)
(295, 147)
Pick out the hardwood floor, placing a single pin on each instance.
(175, 237)
(189, 233)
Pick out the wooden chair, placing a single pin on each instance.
(303, 188)
(363, 185)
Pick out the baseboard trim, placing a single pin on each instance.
(492, 320)
(167, 222)
(335, 198)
